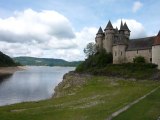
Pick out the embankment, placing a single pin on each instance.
(6, 71)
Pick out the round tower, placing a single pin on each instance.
(99, 38)
(156, 50)
(109, 36)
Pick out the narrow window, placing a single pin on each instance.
(115, 53)
(121, 53)
(150, 59)
(149, 50)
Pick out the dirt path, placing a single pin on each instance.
(130, 104)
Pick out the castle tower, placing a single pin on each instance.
(121, 31)
(156, 50)
(119, 49)
(99, 38)
(109, 36)
(126, 30)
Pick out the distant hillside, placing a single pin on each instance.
(45, 61)
(6, 61)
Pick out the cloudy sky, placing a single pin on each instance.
(62, 28)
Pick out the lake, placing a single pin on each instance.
(32, 84)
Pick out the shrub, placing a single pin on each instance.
(100, 59)
(139, 59)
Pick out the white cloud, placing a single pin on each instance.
(43, 34)
(136, 6)
(136, 28)
(30, 26)
(50, 34)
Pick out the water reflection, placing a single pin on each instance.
(3, 78)
(33, 84)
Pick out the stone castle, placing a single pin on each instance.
(124, 49)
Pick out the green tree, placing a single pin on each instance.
(90, 49)
(139, 59)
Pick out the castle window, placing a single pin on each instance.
(121, 53)
(137, 51)
(150, 59)
(149, 50)
(115, 53)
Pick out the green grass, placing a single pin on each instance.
(95, 100)
(147, 109)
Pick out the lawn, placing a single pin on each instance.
(95, 100)
(147, 109)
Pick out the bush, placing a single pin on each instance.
(139, 59)
(98, 60)
(126, 70)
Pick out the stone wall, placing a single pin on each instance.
(156, 55)
(119, 55)
(147, 54)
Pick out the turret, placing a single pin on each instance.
(109, 36)
(156, 50)
(121, 31)
(126, 30)
(119, 49)
(99, 38)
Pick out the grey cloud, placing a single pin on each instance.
(11, 37)
(62, 32)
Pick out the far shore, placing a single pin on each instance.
(10, 70)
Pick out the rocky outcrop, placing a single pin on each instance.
(71, 82)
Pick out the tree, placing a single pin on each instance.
(139, 59)
(90, 49)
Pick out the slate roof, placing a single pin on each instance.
(141, 43)
(125, 27)
(121, 27)
(100, 31)
(157, 39)
(109, 26)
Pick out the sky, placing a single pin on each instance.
(62, 28)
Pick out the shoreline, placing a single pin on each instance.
(10, 70)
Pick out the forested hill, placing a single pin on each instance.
(44, 61)
(6, 61)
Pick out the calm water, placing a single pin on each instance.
(35, 83)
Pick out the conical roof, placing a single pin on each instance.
(125, 27)
(121, 27)
(116, 30)
(100, 31)
(157, 39)
(109, 26)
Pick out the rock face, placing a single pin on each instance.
(71, 81)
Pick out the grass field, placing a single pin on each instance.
(147, 109)
(95, 100)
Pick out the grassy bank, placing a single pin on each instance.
(95, 99)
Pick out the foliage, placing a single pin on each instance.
(127, 70)
(139, 59)
(6, 61)
(45, 61)
(90, 49)
(100, 59)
